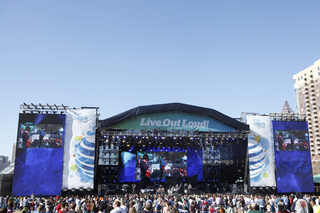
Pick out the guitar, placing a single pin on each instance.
(148, 172)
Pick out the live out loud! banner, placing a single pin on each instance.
(79, 149)
(261, 157)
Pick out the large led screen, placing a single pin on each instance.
(292, 157)
(169, 163)
(162, 164)
(39, 155)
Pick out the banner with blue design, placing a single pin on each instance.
(261, 155)
(79, 149)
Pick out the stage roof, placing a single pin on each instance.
(173, 107)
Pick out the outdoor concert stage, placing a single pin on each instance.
(69, 151)
(199, 146)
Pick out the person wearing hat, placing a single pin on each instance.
(301, 205)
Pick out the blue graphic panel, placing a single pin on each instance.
(38, 171)
(292, 157)
(127, 171)
(195, 164)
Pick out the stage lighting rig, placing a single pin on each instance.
(42, 108)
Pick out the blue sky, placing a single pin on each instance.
(232, 56)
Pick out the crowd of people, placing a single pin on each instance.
(163, 203)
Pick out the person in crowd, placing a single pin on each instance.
(64, 208)
(147, 208)
(73, 207)
(101, 208)
(39, 209)
(262, 204)
(138, 205)
(24, 210)
(93, 206)
(83, 205)
(255, 208)
(300, 205)
(123, 207)
(132, 209)
(3, 210)
(10, 206)
(230, 208)
(282, 208)
(116, 207)
(222, 209)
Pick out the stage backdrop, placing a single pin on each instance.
(292, 157)
(78, 166)
(260, 146)
(39, 155)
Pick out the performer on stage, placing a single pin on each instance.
(42, 134)
(26, 138)
(162, 165)
(145, 172)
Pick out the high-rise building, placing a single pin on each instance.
(4, 162)
(286, 109)
(307, 95)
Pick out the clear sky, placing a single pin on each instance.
(232, 56)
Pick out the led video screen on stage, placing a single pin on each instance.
(292, 157)
(170, 164)
(162, 164)
(39, 154)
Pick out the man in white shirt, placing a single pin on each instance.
(123, 207)
(218, 200)
(78, 204)
(116, 207)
